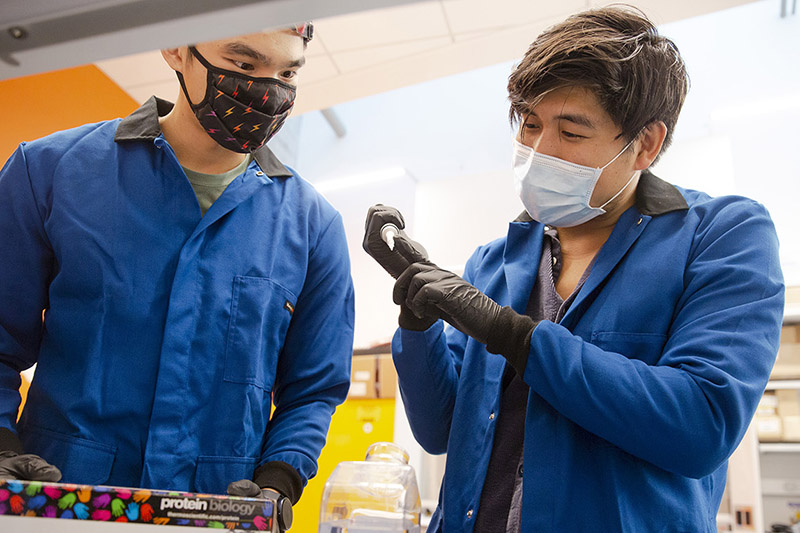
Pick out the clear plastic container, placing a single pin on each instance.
(378, 495)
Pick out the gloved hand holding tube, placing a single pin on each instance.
(14, 464)
(250, 489)
(427, 293)
(387, 243)
(390, 246)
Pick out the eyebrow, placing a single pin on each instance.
(242, 49)
(580, 120)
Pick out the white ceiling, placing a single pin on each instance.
(43, 35)
(368, 52)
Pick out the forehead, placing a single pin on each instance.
(285, 44)
(571, 100)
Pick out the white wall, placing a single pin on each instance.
(738, 133)
(376, 315)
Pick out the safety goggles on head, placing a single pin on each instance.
(304, 30)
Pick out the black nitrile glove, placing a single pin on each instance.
(430, 292)
(276, 480)
(245, 488)
(27, 467)
(406, 251)
(249, 489)
(23, 466)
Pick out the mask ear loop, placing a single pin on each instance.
(622, 151)
(620, 191)
(636, 173)
(178, 73)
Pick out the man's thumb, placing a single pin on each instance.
(412, 251)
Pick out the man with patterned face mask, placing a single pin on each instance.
(606, 356)
(190, 282)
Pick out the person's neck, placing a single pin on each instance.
(586, 239)
(193, 147)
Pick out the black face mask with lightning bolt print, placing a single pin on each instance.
(240, 112)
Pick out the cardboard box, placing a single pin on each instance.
(767, 405)
(787, 365)
(793, 294)
(363, 377)
(118, 504)
(387, 376)
(788, 402)
(790, 334)
(769, 428)
(791, 428)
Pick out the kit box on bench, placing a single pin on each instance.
(118, 504)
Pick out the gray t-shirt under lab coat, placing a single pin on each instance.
(209, 187)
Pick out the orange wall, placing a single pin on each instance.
(35, 106)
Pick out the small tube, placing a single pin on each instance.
(388, 232)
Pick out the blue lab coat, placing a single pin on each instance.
(166, 334)
(642, 391)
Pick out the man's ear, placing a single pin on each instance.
(175, 57)
(649, 144)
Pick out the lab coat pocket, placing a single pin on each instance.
(646, 347)
(80, 460)
(260, 313)
(214, 473)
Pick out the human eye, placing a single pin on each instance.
(570, 135)
(288, 74)
(242, 65)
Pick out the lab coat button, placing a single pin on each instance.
(469, 513)
(491, 416)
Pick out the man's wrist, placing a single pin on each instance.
(408, 320)
(281, 477)
(510, 337)
(269, 492)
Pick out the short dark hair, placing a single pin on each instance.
(637, 75)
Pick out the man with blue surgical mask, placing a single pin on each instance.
(606, 356)
(199, 306)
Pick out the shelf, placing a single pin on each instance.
(724, 519)
(779, 447)
(783, 384)
(791, 313)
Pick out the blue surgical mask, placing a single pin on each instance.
(556, 192)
